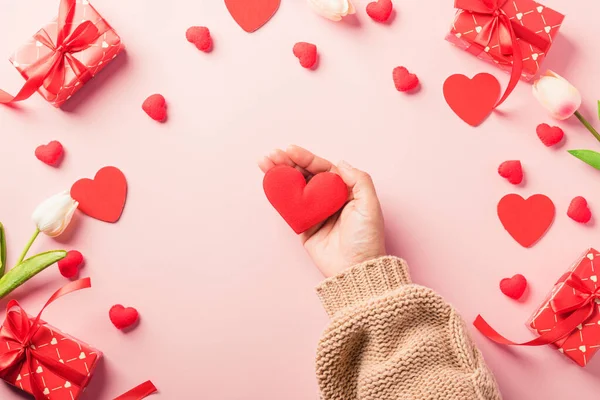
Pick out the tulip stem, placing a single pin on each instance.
(28, 246)
(587, 125)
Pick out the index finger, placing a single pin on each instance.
(309, 161)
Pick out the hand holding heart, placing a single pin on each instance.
(351, 236)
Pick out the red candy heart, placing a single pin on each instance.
(404, 80)
(200, 37)
(252, 14)
(69, 266)
(50, 153)
(549, 135)
(306, 53)
(103, 197)
(514, 287)
(472, 99)
(156, 107)
(122, 317)
(526, 220)
(300, 204)
(579, 210)
(380, 10)
(512, 171)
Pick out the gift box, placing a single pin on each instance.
(534, 25)
(576, 290)
(70, 67)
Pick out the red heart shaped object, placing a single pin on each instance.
(512, 171)
(514, 287)
(50, 153)
(380, 10)
(300, 204)
(549, 135)
(103, 197)
(252, 14)
(69, 266)
(156, 107)
(200, 37)
(306, 53)
(579, 210)
(526, 220)
(472, 99)
(404, 80)
(122, 317)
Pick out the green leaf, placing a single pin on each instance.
(587, 156)
(28, 269)
(2, 250)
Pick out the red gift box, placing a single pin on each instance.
(87, 43)
(534, 24)
(584, 341)
(40, 359)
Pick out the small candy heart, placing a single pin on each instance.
(514, 287)
(579, 210)
(156, 107)
(200, 37)
(51, 153)
(122, 317)
(69, 266)
(512, 171)
(306, 53)
(404, 80)
(380, 10)
(549, 135)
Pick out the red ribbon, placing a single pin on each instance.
(507, 32)
(139, 392)
(580, 309)
(49, 71)
(19, 330)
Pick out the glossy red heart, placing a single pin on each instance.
(472, 99)
(579, 210)
(380, 10)
(526, 220)
(549, 135)
(156, 107)
(103, 197)
(69, 266)
(306, 54)
(404, 80)
(122, 317)
(51, 153)
(300, 204)
(252, 14)
(514, 287)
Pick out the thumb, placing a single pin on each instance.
(361, 187)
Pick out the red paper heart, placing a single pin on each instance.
(50, 153)
(512, 171)
(549, 135)
(514, 287)
(156, 107)
(404, 80)
(526, 220)
(380, 10)
(103, 197)
(472, 99)
(69, 266)
(200, 37)
(579, 210)
(252, 14)
(306, 53)
(122, 317)
(300, 204)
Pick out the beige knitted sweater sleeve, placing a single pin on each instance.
(390, 339)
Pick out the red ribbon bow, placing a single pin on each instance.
(49, 71)
(507, 31)
(19, 330)
(580, 309)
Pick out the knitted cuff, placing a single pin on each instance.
(362, 282)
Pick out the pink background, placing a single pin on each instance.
(224, 288)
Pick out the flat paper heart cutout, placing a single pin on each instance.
(526, 220)
(300, 204)
(122, 317)
(103, 197)
(252, 14)
(472, 99)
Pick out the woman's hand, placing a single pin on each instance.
(351, 236)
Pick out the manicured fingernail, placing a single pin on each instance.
(345, 165)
